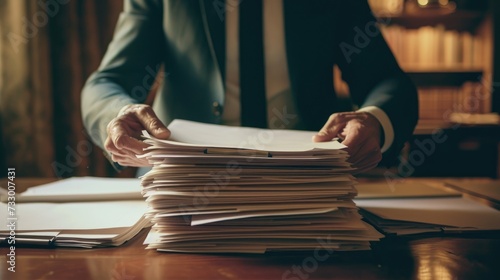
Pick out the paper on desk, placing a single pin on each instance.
(202, 134)
(175, 209)
(241, 181)
(231, 169)
(84, 189)
(259, 240)
(89, 212)
(229, 189)
(76, 215)
(452, 211)
(401, 190)
(489, 190)
(206, 219)
(244, 147)
(156, 158)
(77, 224)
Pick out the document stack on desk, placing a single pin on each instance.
(411, 208)
(244, 190)
(83, 212)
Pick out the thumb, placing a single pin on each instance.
(153, 124)
(323, 135)
(331, 129)
(161, 132)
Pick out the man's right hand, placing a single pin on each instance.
(125, 130)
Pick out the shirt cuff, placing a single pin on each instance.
(385, 122)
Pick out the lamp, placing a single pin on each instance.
(430, 6)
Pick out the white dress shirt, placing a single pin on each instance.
(281, 112)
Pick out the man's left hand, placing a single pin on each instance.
(360, 132)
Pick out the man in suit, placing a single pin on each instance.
(252, 63)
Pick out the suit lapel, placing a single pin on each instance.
(213, 12)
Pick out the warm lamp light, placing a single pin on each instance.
(430, 6)
(423, 2)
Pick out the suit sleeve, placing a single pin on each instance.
(128, 69)
(372, 73)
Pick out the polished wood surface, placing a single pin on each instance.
(453, 257)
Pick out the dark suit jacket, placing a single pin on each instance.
(188, 37)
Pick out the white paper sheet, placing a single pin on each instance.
(84, 189)
(246, 138)
(452, 211)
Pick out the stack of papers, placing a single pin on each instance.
(78, 212)
(244, 190)
(485, 191)
(417, 208)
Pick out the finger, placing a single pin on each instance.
(130, 161)
(123, 157)
(354, 140)
(367, 149)
(372, 157)
(332, 127)
(133, 163)
(130, 144)
(120, 136)
(360, 139)
(369, 162)
(152, 123)
(365, 159)
(111, 148)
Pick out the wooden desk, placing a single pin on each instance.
(428, 258)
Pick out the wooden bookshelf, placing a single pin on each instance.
(452, 55)
(427, 127)
(459, 20)
(444, 77)
(446, 52)
(472, 25)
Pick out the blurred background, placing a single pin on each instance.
(451, 50)
(48, 49)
